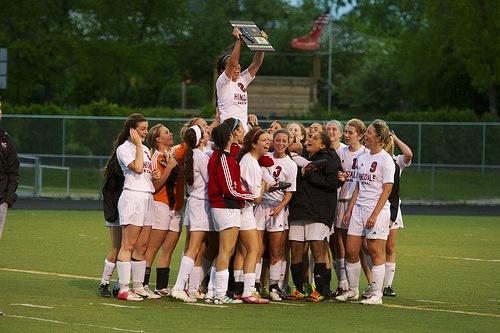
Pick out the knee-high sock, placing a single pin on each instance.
(186, 268)
(248, 284)
(195, 279)
(258, 270)
(352, 271)
(297, 276)
(107, 271)
(212, 281)
(123, 274)
(390, 270)
(221, 280)
(162, 276)
(378, 279)
(275, 273)
(320, 278)
(138, 272)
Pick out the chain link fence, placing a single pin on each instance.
(63, 156)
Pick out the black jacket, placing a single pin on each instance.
(9, 169)
(111, 191)
(316, 197)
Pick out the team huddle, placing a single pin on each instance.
(258, 205)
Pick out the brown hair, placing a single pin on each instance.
(190, 140)
(359, 126)
(250, 138)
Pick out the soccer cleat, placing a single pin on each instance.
(197, 294)
(315, 297)
(274, 295)
(104, 290)
(226, 300)
(116, 289)
(145, 292)
(279, 186)
(296, 296)
(287, 291)
(309, 288)
(372, 300)
(183, 295)
(254, 299)
(388, 291)
(164, 292)
(337, 292)
(367, 292)
(128, 295)
(349, 295)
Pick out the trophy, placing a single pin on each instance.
(252, 36)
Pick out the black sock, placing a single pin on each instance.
(320, 278)
(162, 275)
(147, 275)
(328, 278)
(238, 288)
(297, 276)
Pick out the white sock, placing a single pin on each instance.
(187, 264)
(195, 279)
(390, 270)
(341, 274)
(258, 270)
(275, 273)
(281, 282)
(378, 278)
(248, 284)
(352, 271)
(212, 282)
(109, 267)
(221, 280)
(123, 268)
(138, 272)
(238, 275)
(205, 266)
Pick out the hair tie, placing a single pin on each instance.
(197, 131)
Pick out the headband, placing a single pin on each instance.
(236, 121)
(259, 132)
(197, 131)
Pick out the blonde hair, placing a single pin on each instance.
(383, 133)
(359, 126)
(153, 133)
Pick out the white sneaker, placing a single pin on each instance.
(164, 292)
(274, 295)
(183, 295)
(145, 292)
(367, 292)
(349, 295)
(128, 295)
(372, 300)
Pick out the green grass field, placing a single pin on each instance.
(447, 281)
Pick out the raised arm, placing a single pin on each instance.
(407, 153)
(234, 59)
(257, 61)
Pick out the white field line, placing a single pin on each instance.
(494, 300)
(48, 273)
(419, 308)
(68, 323)
(121, 306)
(453, 258)
(207, 305)
(33, 305)
(430, 301)
(285, 304)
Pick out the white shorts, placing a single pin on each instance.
(166, 219)
(339, 214)
(197, 216)
(247, 217)
(303, 231)
(225, 218)
(136, 208)
(398, 224)
(358, 221)
(271, 224)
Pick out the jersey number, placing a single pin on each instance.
(354, 163)
(242, 87)
(277, 172)
(373, 167)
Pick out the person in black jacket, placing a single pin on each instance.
(312, 210)
(9, 174)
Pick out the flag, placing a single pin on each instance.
(311, 41)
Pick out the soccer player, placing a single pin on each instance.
(232, 96)
(272, 213)
(227, 198)
(368, 213)
(198, 217)
(135, 206)
(353, 135)
(167, 224)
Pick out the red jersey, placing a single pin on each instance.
(224, 182)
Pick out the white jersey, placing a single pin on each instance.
(373, 172)
(400, 161)
(199, 189)
(125, 154)
(349, 162)
(232, 97)
(342, 146)
(285, 170)
(251, 175)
